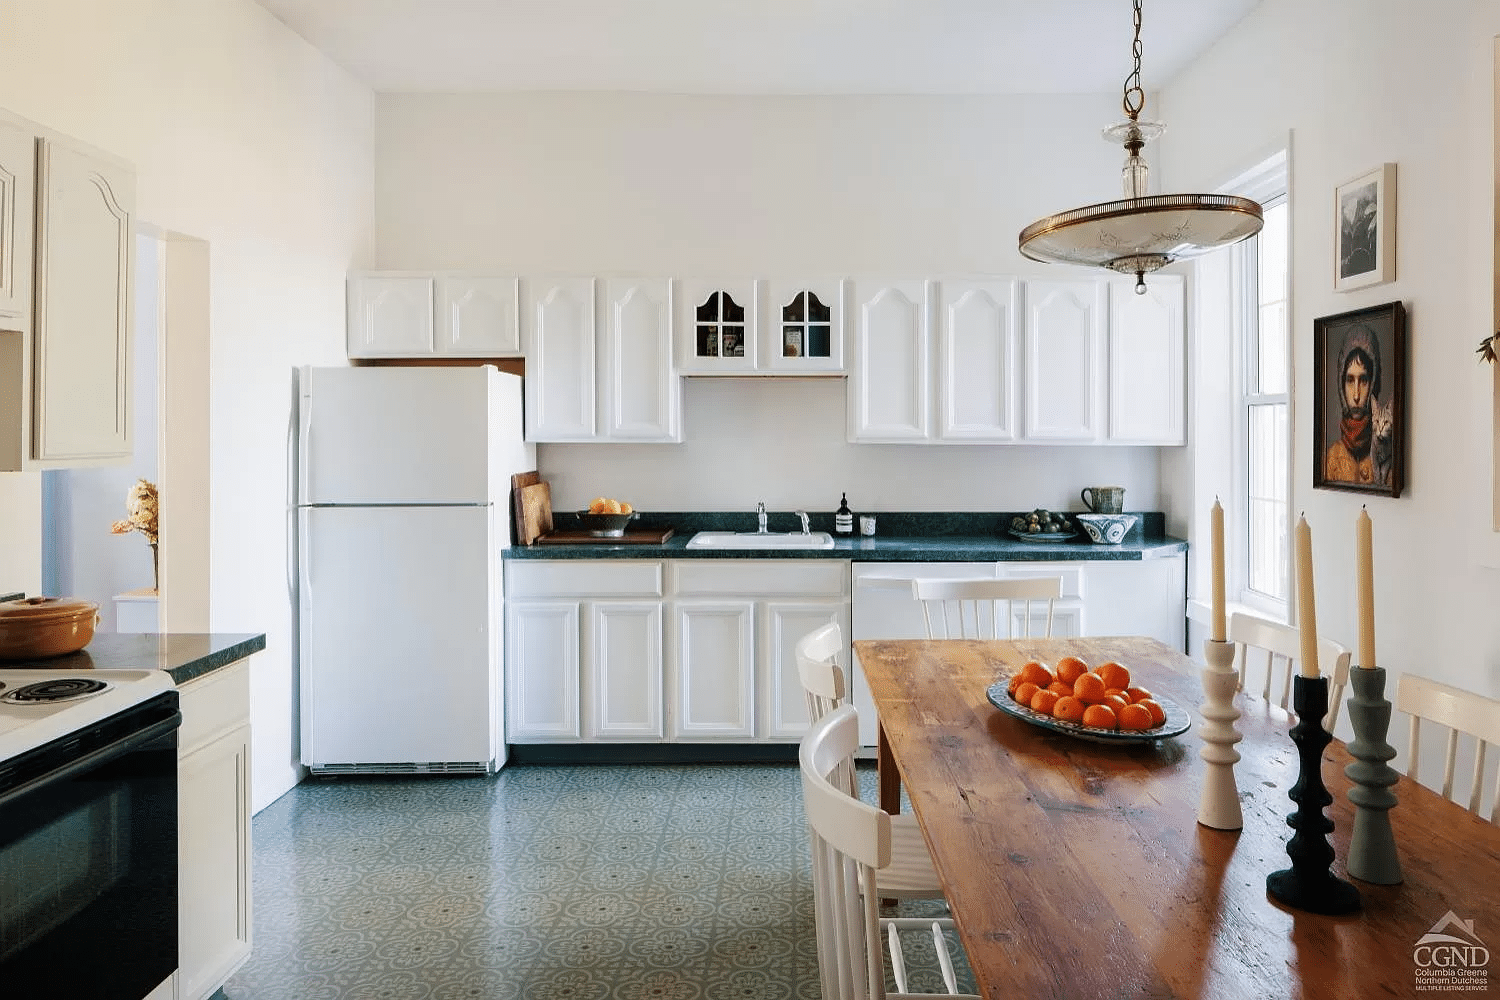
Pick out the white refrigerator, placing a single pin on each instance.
(403, 479)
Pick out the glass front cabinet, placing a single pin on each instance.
(761, 326)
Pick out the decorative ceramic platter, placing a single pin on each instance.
(1045, 536)
(1178, 721)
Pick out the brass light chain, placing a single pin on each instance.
(1135, 97)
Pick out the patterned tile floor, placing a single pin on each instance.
(594, 882)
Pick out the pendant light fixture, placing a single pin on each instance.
(1144, 231)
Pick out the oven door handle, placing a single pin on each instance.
(97, 757)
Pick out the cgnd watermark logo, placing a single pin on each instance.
(1451, 957)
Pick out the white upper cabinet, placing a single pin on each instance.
(888, 384)
(408, 314)
(17, 211)
(390, 316)
(559, 359)
(1065, 329)
(976, 384)
(717, 320)
(640, 393)
(803, 326)
(1147, 370)
(478, 317)
(85, 253)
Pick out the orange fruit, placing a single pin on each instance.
(1158, 714)
(1069, 709)
(1115, 675)
(1025, 691)
(1037, 673)
(1070, 668)
(1119, 693)
(1115, 703)
(1062, 690)
(1043, 700)
(1099, 716)
(1137, 694)
(1089, 688)
(1135, 717)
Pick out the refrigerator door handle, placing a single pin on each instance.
(304, 560)
(304, 438)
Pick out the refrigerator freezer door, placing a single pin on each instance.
(396, 435)
(399, 648)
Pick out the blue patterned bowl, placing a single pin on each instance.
(1106, 529)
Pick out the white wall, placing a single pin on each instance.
(676, 185)
(244, 136)
(1358, 83)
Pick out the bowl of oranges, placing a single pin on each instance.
(1096, 703)
(606, 517)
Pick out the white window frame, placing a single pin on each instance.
(1268, 184)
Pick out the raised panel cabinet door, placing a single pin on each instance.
(560, 370)
(1147, 370)
(977, 360)
(1064, 346)
(541, 668)
(717, 329)
(625, 675)
(803, 326)
(390, 316)
(785, 706)
(83, 312)
(17, 215)
(714, 660)
(888, 385)
(213, 824)
(478, 317)
(642, 394)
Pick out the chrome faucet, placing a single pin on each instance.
(806, 528)
(760, 518)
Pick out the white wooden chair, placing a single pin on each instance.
(972, 609)
(851, 847)
(1462, 712)
(909, 874)
(1277, 649)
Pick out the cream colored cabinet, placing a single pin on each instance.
(889, 380)
(67, 253)
(584, 651)
(1147, 370)
(610, 380)
(213, 795)
(1064, 357)
(420, 315)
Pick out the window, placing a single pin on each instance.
(1264, 442)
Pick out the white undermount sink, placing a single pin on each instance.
(760, 540)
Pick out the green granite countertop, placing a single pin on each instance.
(11, 595)
(183, 655)
(901, 537)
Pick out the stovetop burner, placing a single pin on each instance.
(54, 690)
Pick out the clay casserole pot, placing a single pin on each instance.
(45, 626)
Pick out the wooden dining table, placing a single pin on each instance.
(1077, 870)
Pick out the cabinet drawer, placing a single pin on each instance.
(212, 705)
(591, 578)
(760, 577)
(1072, 575)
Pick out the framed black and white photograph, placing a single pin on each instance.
(1359, 400)
(1365, 230)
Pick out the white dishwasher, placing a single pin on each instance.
(885, 609)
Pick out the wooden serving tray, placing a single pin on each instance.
(632, 536)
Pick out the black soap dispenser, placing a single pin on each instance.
(843, 518)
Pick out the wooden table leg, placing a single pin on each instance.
(887, 778)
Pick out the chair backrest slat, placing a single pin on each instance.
(1461, 712)
(973, 609)
(1277, 647)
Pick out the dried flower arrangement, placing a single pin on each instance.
(141, 512)
(1486, 348)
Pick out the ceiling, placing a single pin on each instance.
(758, 46)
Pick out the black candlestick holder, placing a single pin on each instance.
(1309, 884)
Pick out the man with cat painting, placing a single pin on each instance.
(1362, 452)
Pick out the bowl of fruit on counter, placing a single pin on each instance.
(606, 517)
(1042, 525)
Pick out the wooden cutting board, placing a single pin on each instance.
(517, 514)
(536, 512)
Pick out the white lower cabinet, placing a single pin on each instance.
(714, 669)
(213, 803)
(623, 652)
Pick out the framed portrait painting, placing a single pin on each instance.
(1365, 230)
(1359, 400)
